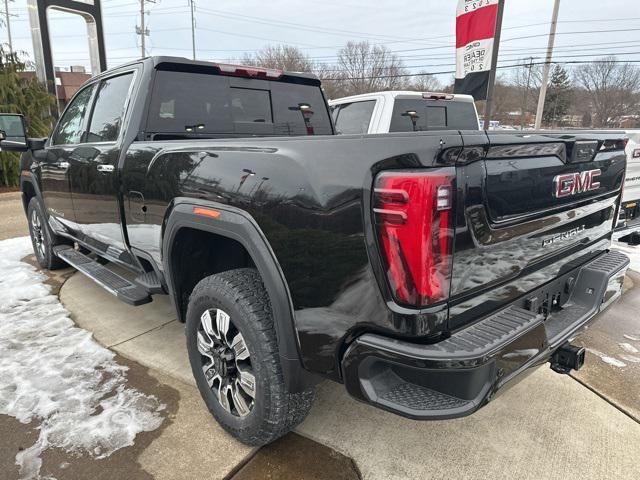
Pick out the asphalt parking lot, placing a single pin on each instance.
(546, 426)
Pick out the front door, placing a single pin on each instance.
(94, 170)
(55, 165)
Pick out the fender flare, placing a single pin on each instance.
(27, 176)
(238, 225)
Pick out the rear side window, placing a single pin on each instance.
(106, 119)
(417, 115)
(354, 117)
(186, 104)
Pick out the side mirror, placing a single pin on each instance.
(13, 134)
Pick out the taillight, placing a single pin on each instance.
(413, 214)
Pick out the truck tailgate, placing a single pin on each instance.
(530, 207)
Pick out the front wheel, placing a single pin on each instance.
(42, 239)
(233, 353)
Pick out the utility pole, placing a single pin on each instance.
(526, 93)
(7, 19)
(142, 30)
(547, 64)
(193, 28)
(494, 63)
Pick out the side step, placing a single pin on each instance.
(122, 288)
(150, 282)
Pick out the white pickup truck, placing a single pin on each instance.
(403, 111)
(630, 207)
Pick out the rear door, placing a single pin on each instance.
(532, 205)
(55, 169)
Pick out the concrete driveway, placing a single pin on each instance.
(546, 426)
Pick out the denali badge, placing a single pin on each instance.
(572, 183)
(562, 236)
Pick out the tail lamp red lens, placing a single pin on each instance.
(413, 214)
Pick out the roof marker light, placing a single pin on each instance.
(250, 72)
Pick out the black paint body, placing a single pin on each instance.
(311, 199)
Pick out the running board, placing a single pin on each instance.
(113, 283)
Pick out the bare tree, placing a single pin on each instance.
(424, 82)
(369, 68)
(527, 80)
(613, 88)
(283, 57)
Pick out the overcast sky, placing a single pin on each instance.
(421, 32)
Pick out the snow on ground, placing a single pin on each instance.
(56, 375)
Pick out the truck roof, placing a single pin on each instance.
(393, 94)
(181, 63)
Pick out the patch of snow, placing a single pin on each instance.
(630, 358)
(613, 361)
(607, 359)
(633, 338)
(627, 347)
(54, 373)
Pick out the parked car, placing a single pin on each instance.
(423, 271)
(403, 111)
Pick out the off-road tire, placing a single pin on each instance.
(275, 411)
(42, 238)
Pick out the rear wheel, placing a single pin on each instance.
(234, 358)
(42, 239)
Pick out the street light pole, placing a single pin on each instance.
(193, 29)
(488, 106)
(547, 64)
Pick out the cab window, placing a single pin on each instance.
(354, 117)
(71, 126)
(108, 110)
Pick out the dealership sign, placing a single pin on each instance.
(475, 33)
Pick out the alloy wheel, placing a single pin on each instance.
(226, 362)
(37, 234)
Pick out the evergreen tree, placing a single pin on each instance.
(28, 97)
(558, 99)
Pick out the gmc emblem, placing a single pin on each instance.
(572, 183)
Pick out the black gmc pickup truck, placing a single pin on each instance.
(424, 271)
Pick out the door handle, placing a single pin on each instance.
(106, 168)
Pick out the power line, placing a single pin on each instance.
(453, 63)
(499, 67)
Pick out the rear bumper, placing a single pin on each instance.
(457, 376)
